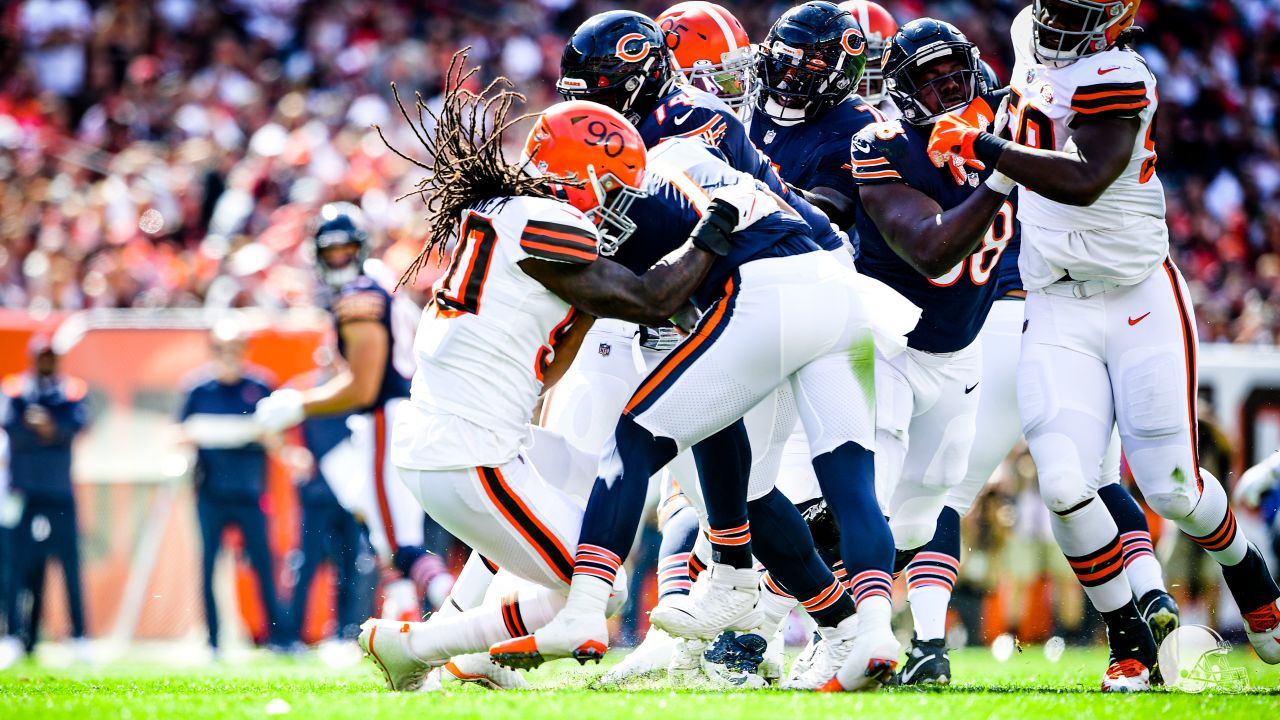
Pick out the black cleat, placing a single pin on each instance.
(1160, 613)
(927, 663)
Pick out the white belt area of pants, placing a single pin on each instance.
(1078, 288)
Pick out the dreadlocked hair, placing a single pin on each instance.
(465, 164)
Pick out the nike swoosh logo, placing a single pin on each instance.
(970, 388)
(907, 675)
(1104, 71)
(680, 120)
(1135, 320)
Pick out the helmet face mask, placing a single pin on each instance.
(712, 53)
(812, 60)
(613, 200)
(1067, 30)
(733, 79)
(931, 69)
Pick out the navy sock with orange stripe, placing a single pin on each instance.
(679, 533)
(724, 469)
(931, 576)
(613, 512)
(785, 546)
(847, 477)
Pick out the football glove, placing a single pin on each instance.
(752, 200)
(1256, 481)
(280, 410)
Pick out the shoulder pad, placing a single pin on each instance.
(558, 231)
(875, 149)
(74, 389)
(359, 305)
(1109, 82)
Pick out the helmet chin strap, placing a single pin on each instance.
(337, 278)
(784, 116)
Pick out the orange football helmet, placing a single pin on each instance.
(712, 52)
(1067, 30)
(590, 142)
(877, 27)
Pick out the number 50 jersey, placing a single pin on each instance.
(488, 335)
(1126, 240)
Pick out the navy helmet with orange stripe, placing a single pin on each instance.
(341, 224)
(603, 157)
(811, 60)
(930, 69)
(620, 59)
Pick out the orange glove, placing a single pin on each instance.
(953, 136)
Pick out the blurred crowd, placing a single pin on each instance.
(159, 153)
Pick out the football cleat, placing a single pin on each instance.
(775, 657)
(478, 669)
(926, 664)
(570, 634)
(837, 643)
(654, 653)
(722, 598)
(733, 661)
(1127, 675)
(386, 642)
(685, 668)
(1160, 613)
(808, 656)
(870, 661)
(1264, 632)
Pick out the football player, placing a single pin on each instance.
(877, 27)
(1109, 326)
(503, 318)
(371, 387)
(811, 64)
(936, 235)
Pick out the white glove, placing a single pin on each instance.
(1001, 121)
(280, 410)
(1256, 481)
(752, 199)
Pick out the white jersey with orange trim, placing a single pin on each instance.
(1044, 104)
(488, 335)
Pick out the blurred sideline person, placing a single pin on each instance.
(43, 411)
(373, 342)
(231, 467)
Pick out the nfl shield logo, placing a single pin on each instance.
(605, 349)
(768, 137)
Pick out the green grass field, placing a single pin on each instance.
(1026, 686)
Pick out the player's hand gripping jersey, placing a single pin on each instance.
(681, 176)
(895, 152)
(490, 332)
(693, 113)
(1044, 104)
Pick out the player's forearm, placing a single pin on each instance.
(1059, 176)
(666, 287)
(341, 394)
(933, 245)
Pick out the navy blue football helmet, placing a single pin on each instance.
(618, 59)
(811, 60)
(340, 223)
(919, 93)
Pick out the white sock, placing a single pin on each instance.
(1086, 533)
(1144, 575)
(929, 610)
(476, 629)
(875, 610)
(588, 594)
(1210, 515)
(471, 584)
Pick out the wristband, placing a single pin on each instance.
(713, 230)
(1000, 183)
(988, 148)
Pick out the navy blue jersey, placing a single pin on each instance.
(1008, 278)
(237, 473)
(690, 112)
(363, 299)
(680, 177)
(320, 435)
(40, 466)
(954, 305)
(815, 153)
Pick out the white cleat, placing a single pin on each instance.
(570, 634)
(838, 643)
(722, 598)
(651, 655)
(1126, 676)
(1263, 628)
(775, 657)
(685, 668)
(478, 669)
(386, 642)
(869, 662)
(811, 654)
